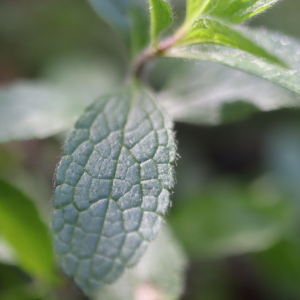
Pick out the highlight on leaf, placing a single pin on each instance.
(161, 17)
(113, 186)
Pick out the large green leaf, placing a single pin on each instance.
(38, 109)
(233, 11)
(25, 231)
(209, 93)
(230, 218)
(160, 273)
(285, 48)
(113, 186)
(35, 110)
(206, 30)
(161, 17)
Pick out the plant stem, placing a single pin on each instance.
(151, 52)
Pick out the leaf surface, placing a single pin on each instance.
(113, 186)
(160, 273)
(233, 11)
(114, 12)
(287, 49)
(27, 234)
(35, 110)
(128, 17)
(210, 93)
(161, 17)
(41, 108)
(207, 30)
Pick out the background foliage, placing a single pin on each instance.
(235, 207)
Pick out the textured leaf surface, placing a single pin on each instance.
(27, 234)
(233, 11)
(285, 48)
(113, 186)
(161, 17)
(207, 30)
(159, 274)
(209, 93)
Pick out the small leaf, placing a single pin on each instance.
(161, 17)
(233, 11)
(113, 186)
(27, 234)
(207, 30)
(285, 48)
(160, 273)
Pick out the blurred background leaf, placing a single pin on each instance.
(37, 109)
(27, 234)
(212, 94)
(231, 218)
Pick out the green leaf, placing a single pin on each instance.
(194, 9)
(209, 93)
(24, 230)
(113, 186)
(129, 17)
(38, 109)
(139, 25)
(212, 31)
(34, 110)
(159, 273)
(283, 47)
(233, 11)
(161, 17)
(114, 12)
(229, 218)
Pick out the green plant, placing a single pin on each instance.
(115, 178)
